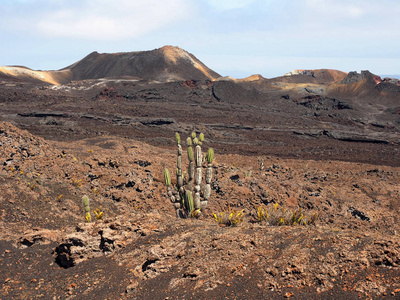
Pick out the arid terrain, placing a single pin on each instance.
(323, 141)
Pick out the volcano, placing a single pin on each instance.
(164, 64)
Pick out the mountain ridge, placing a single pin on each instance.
(171, 63)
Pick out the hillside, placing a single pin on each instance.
(164, 64)
(321, 76)
(140, 250)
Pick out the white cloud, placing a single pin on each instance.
(105, 19)
(266, 30)
(337, 8)
(228, 4)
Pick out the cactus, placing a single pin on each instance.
(167, 177)
(207, 187)
(189, 201)
(191, 162)
(85, 200)
(188, 195)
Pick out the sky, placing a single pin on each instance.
(235, 38)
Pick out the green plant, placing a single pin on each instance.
(229, 218)
(187, 195)
(278, 216)
(85, 200)
(76, 182)
(98, 213)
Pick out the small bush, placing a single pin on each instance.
(98, 213)
(76, 182)
(278, 216)
(229, 218)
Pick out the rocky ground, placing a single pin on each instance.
(308, 121)
(140, 250)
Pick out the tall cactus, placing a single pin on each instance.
(197, 175)
(207, 187)
(188, 194)
(191, 159)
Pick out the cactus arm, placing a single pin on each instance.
(191, 162)
(197, 177)
(167, 177)
(207, 187)
(189, 201)
(179, 168)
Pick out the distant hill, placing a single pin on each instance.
(171, 63)
(364, 83)
(20, 73)
(164, 64)
(313, 76)
(390, 76)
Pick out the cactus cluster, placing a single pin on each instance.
(189, 195)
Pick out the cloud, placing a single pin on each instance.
(337, 9)
(228, 4)
(103, 19)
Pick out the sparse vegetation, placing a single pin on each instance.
(32, 185)
(95, 191)
(230, 217)
(76, 182)
(279, 216)
(85, 200)
(98, 213)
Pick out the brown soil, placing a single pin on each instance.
(140, 250)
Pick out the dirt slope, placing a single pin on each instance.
(164, 64)
(140, 250)
(26, 74)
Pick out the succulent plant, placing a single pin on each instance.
(85, 200)
(278, 216)
(229, 217)
(167, 177)
(189, 195)
(189, 201)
